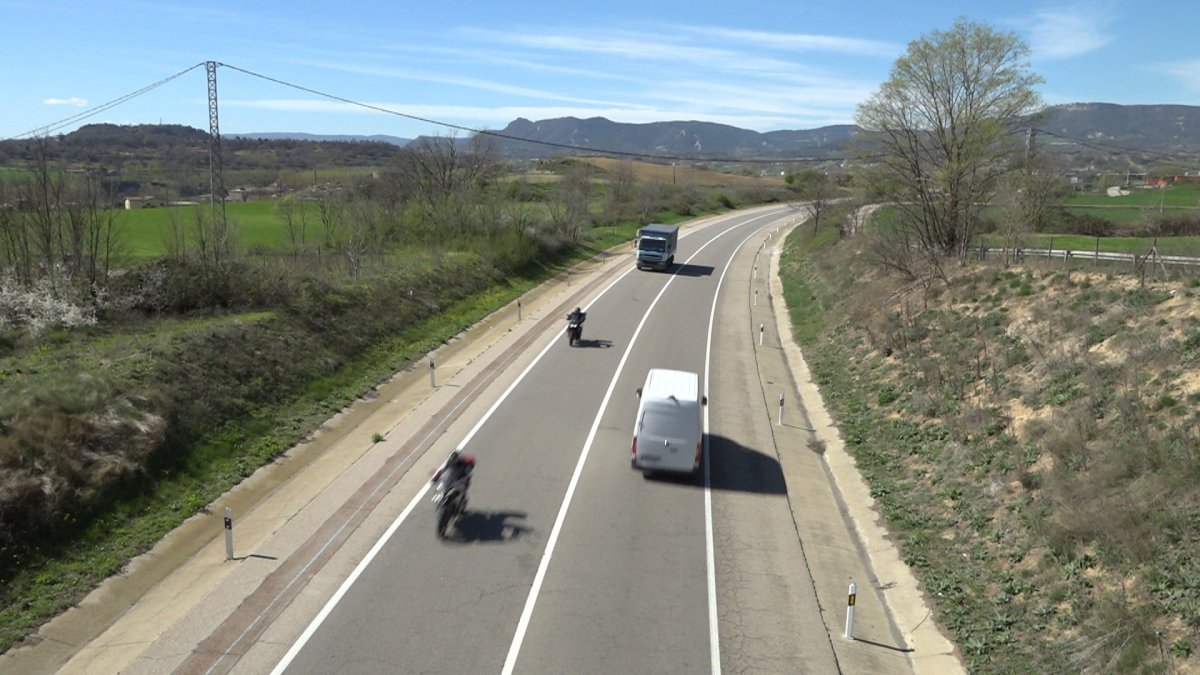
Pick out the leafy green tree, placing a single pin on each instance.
(944, 130)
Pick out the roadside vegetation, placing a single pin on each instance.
(1028, 427)
(151, 359)
(1030, 434)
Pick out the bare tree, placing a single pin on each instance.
(940, 126)
(818, 190)
(438, 171)
(295, 220)
(360, 234)
(43, 194)
(574, 191)
(621, 187)
(648, 198)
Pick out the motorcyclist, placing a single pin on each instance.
(577, 316)
(456, 470)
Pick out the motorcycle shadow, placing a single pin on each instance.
(595, 344)
(487, 526)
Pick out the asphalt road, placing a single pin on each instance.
(569, 561)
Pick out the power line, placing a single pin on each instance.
(55, 126)
(91, 112)
(497, 134)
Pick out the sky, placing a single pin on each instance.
(405, 69)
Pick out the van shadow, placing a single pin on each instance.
(487, 526)
(735, 468)
(686, 270)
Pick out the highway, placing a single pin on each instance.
(569, 561)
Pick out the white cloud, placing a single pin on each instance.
(1068, 31)
(74, 100)
(801, 42)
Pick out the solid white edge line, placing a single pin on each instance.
(531, 600)
(362, 565)
(315, 624)
(714, 635)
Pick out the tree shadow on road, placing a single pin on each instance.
(487, 526)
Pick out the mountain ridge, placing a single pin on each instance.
(1086, 135)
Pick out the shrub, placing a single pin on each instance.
(1175, 225)
(42, 307)
(1085, 224)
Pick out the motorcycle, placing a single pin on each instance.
(574, 329)
(450, 505)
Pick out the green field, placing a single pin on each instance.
(1186, 195)
(256, 226)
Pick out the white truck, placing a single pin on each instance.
(656, 246)
(668, 434)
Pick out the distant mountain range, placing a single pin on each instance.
(283, 135)
(1088, 136)
(1084, 134)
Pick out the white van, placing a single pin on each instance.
(668, 434)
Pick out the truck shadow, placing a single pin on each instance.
(735, 468)
(686, 270)
(487, 526)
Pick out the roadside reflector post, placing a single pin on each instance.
(568, 277)
(432, 374)
(228, 533)
(756, 297)
(760, 334)
(518, 310)
(755, 272)
(781, 410)
(850, 611)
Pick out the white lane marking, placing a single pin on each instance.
(714, 642)
(526, 614)
(362, 565)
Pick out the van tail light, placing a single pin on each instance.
(634, 449)
(699, 451)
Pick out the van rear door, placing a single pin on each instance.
(667, 435)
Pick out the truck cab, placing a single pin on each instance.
(656, 246)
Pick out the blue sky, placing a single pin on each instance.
(753, 64)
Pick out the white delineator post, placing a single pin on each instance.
(781, 410)
(760, 334)
(228, 533)
(432, 374)
(850, 612)
(518, 310)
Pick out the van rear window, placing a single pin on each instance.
(659, 418)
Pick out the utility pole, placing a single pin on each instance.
(216, 167)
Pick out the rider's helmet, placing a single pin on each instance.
(467, 462)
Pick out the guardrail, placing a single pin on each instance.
(1067, 255)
